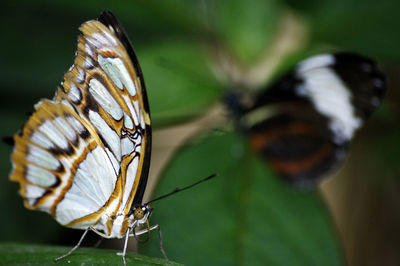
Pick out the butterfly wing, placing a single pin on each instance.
(303, 123)
(84, 156)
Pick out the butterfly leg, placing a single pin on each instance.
(123, 254)
(147, 230)
(74, 248)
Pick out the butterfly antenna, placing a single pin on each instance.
(176, 190)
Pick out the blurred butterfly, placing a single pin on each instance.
(84, 156)
(302, 124)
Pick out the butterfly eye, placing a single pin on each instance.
(138, 213)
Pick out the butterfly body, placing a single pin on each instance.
(84, 156)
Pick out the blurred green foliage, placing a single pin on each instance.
(368, 27)
(245, 216)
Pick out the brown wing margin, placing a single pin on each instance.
(108, 19)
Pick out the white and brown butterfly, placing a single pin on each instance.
(84, 156)
(302, 124)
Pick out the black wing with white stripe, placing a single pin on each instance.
(303, 123)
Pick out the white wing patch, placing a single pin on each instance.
(42, 158)
(109, 135)
(74, 93)
(76, 124)
(64, 127)
(52, 132)
(89, 63)
(80, 78)
(100, 40)
(105, 99)
(114, 161)
(116, 70)
(127, 146)
(323, 60)
(39, 139)
(132, 109)
(33, 192)
(330, 97)
(128, 121)
(39, 176)
(130, 179)
(89, 50)
(93, 185)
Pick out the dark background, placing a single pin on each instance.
(178, 44)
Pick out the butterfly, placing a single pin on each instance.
(302, 124)
(84, 156)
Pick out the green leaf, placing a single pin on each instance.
(25, 254)
(243, 216)
(178, 80)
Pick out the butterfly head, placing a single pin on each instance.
(139, 214)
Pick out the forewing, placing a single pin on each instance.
(110, 94)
